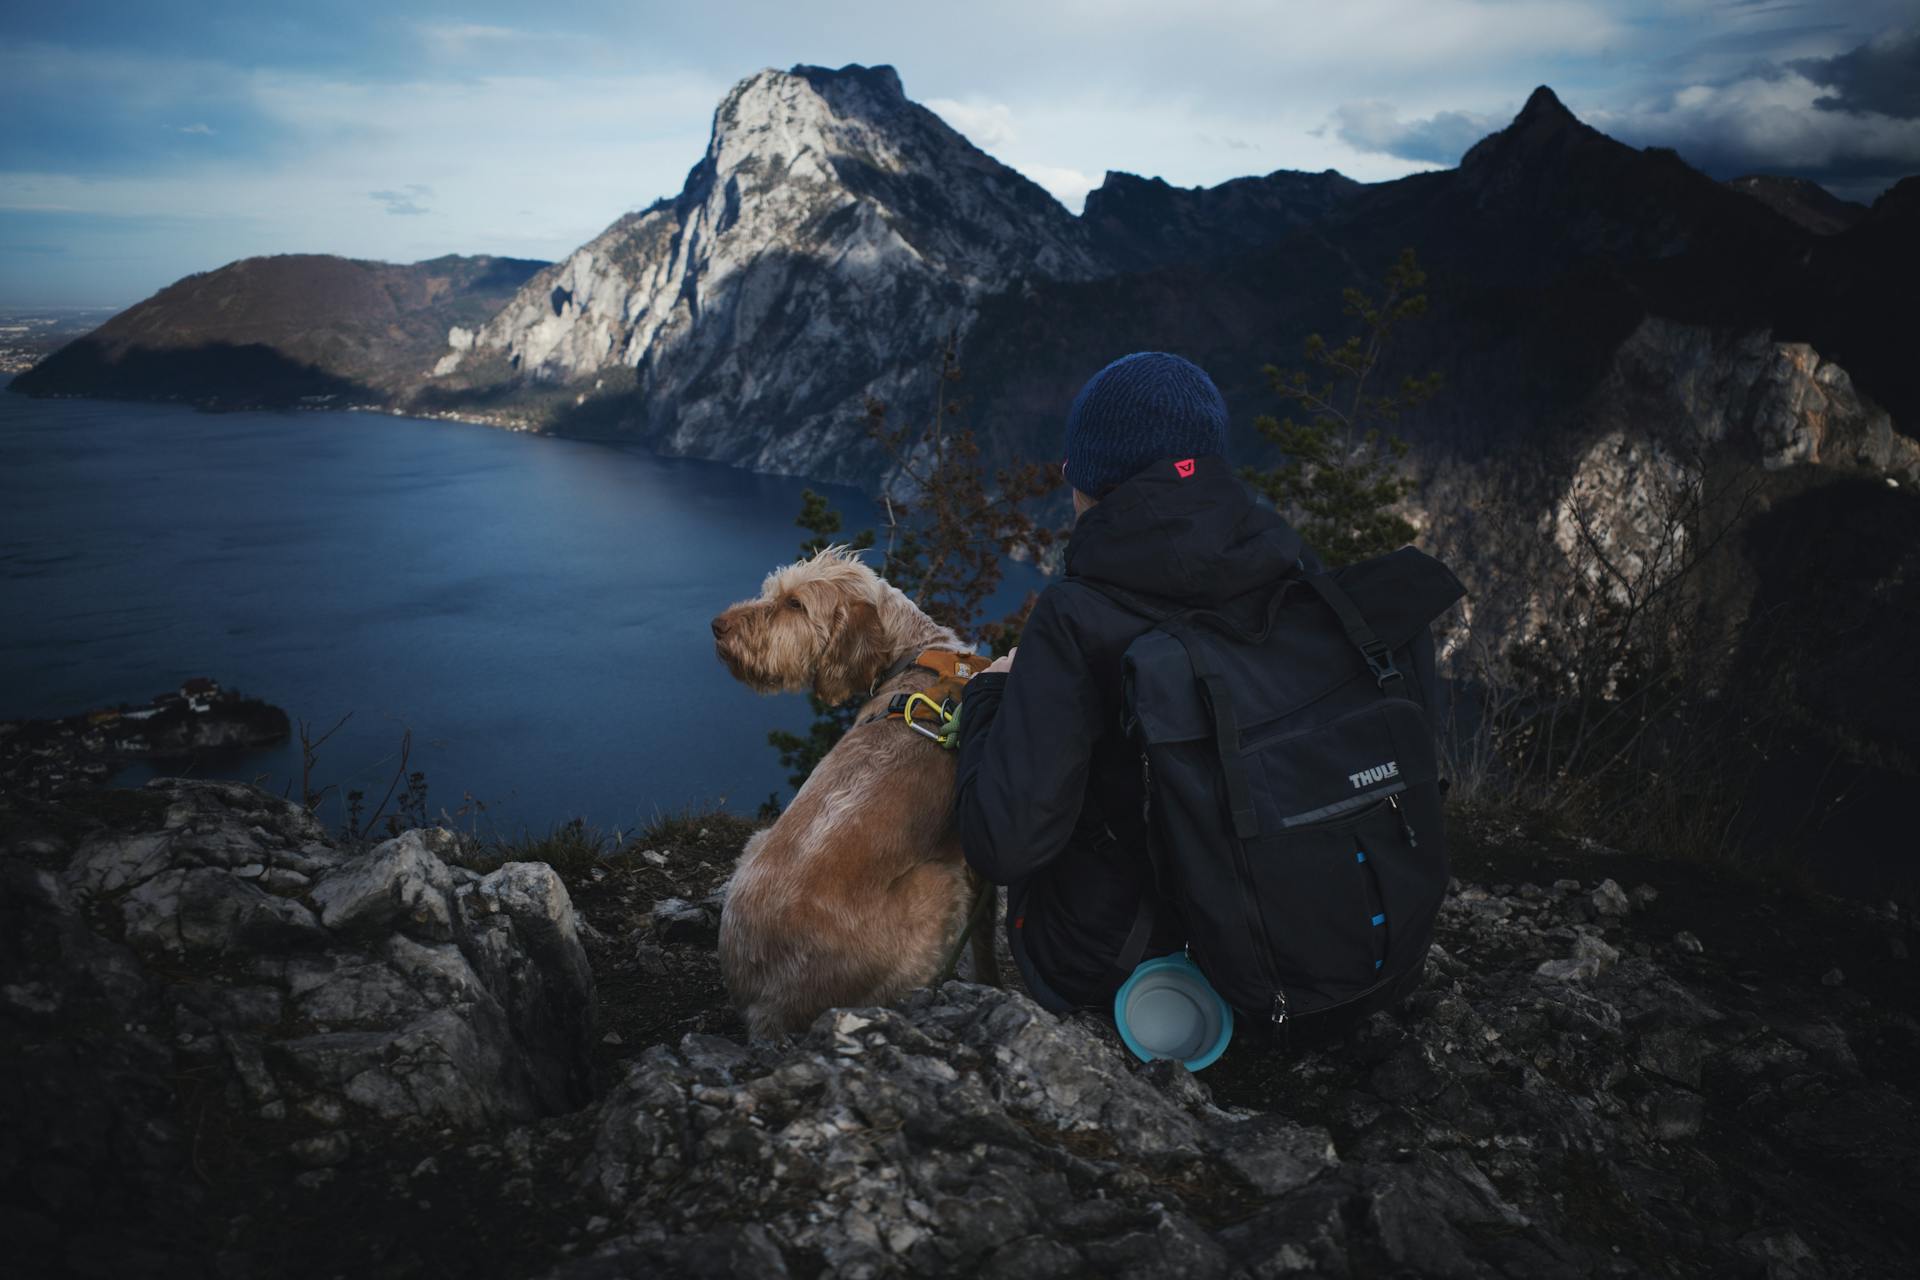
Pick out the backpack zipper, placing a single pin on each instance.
(1259, 930)
(1257, 933)
(1405, 825)
(1146, 794)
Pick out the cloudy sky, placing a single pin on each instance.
(143, 140)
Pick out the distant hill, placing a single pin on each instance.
(277, 330)
(1803, 202)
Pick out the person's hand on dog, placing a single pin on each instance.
(1003, 663)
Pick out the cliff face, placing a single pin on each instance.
(1683, 415)
(833, 232)
(1782, 400)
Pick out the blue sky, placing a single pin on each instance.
(142, 141)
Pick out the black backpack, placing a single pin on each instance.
(1293, 787)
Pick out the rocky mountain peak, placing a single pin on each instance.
(809, 114)
(1549, 185)
(880, 80)
(827, 205)
(1543, 104)
(1543, 129)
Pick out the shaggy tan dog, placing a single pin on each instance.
(859, 893)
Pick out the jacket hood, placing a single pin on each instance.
(1199, 538)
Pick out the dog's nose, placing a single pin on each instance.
(721, 625)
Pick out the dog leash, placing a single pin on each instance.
(981, 913)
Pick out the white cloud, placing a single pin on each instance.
(1068, 186)
(457, 40)
(201, 129)
(406, 201)
(985, 124)
(1769, 123)
(1441, 138)
(1060, 141)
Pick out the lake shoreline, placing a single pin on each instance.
(468, 417)
(533, 609)
(47, 758)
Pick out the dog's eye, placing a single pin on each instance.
(793, 602)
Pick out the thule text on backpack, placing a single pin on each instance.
(1379, 773)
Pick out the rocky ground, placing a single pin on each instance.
(232, 1048)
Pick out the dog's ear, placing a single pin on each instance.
(854, 654)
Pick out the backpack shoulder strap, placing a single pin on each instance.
(1226, 726)
(1378, 657)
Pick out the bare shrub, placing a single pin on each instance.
(950, 527)
(1607, 705)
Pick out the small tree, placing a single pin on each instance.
(949, 528)
(1343, 474)
(949, 524)
(823, 522)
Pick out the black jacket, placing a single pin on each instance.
(1044, 772)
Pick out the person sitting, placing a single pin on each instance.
(1050, 796)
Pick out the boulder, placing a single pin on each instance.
(230, 958)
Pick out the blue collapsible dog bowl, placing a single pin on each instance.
(1168, 1009)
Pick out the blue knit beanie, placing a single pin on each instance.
(1137, 410)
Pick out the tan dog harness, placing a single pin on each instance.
(934, 712)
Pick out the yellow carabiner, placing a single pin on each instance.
(940, 716)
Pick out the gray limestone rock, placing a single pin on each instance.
(1610, 899)
(1273, 1155)
(396, 991)
(402, 884)
(1591, 958)
(676, 920)
(207, 910)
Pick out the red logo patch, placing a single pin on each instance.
(1184, 467)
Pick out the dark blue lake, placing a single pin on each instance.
(535, 610)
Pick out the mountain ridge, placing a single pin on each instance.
(835, 232)
(1532, 207)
